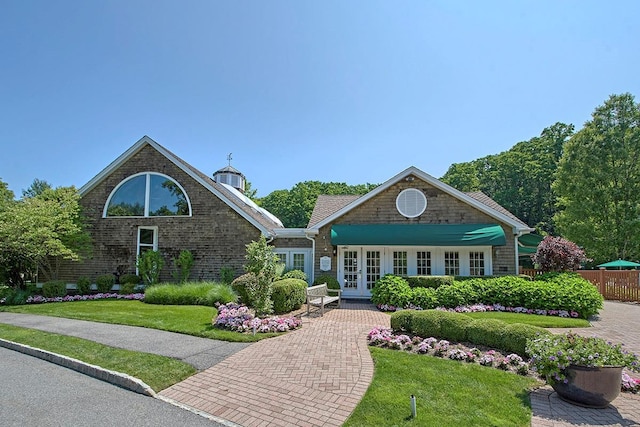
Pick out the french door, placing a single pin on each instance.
(359, 270)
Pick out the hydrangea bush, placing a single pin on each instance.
(240, 318)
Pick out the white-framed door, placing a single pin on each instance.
(358, 270)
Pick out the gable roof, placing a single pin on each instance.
(258, 217)
(323, 215)
(329, 204)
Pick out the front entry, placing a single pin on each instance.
(358, 271)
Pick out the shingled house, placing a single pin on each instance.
(413, 224)
(150, 199)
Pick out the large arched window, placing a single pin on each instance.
(148, 194)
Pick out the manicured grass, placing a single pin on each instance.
(447, 393)
(532, 319)
(184, 319)
(159, 372)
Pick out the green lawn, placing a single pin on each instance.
(159, 372)
(532, 319)
(447, 393)
(185, 319)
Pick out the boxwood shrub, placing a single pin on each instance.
(288, 295)
(429, 281)
(130, 278)
(105, 282)
(83, 285)
(516, 336)
(332, 282)
(489, 332)
(54, 288)
(295, 274)
(402, 321)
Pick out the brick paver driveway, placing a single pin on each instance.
(314, 376)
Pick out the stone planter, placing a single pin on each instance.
(590, 387)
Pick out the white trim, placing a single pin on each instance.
(155, 237)
(499, 216)
(147, 195)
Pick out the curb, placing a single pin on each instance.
(117, 378)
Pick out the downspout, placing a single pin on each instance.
(517, 236)
(313, 257)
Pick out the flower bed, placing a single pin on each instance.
(486, 307)
(240, 318)
(385, 338)
(39, 299)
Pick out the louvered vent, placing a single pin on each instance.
(411, 202)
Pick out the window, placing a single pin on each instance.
(283, 258)
(147, 239)
(476, 263)
(411, 203)
(147, 194)
(423, 261)
(400, 263)
(298, 262)
(452, 263)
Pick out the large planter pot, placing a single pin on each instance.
(591, 387)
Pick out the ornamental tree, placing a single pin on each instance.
(39, 232)
(558, 254)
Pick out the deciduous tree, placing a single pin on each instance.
(598, 182)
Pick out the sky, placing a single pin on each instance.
(333, 91)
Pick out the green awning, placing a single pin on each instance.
(528, 244)
(418, 234)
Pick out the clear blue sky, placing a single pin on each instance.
(347, 91)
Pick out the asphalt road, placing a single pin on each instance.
(37, 393)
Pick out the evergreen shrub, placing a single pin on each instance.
(105, 282)
(54, 288)
(288, 295)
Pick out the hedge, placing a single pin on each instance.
(429, 281)
(459, 327)
(566, 291)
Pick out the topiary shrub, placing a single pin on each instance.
(489, 332)
(130, 278)
(424, 298)
(54, 288)
(239, 286)
(391, 290)
(288, 295)
(402, 321)
(517, 334)
(296, 274)
(83, 285)
(332, 282)
(429, 281)
(105, 282)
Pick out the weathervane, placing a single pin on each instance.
(229, 158)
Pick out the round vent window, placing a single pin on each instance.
(411, 202)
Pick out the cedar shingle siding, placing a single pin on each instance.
(215, 234)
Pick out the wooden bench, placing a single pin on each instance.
(319, 295)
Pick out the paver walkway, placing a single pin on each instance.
(314, 376)
(618, 322)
